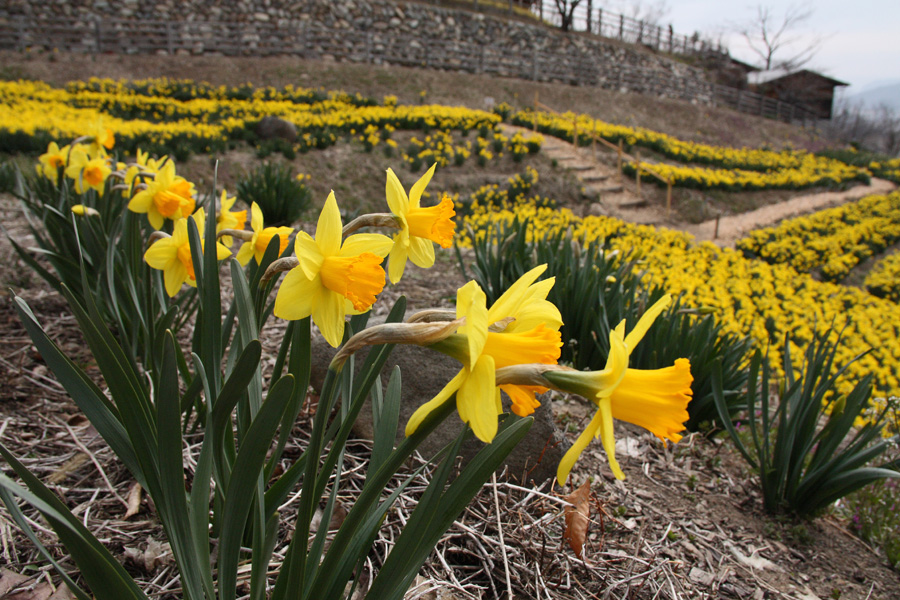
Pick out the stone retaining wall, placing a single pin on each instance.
(373, 31)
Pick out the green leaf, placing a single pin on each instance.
(19, 517)
(102, 414)
(386, 420)
(102, 572)
(240, 494)
(418, 540)
(171, 476)
(234, 388)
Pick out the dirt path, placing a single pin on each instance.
(734, 227)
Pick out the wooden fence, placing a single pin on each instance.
(306, 40)
(608, 24)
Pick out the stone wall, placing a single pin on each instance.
(373, 31)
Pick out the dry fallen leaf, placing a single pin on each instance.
(578, 517)
(134, 501)
(30, 590)
(10, 581)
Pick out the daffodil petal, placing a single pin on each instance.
(477, 400)
(328, 314)
(470, 303)
(308, 253)
(328, 228)
(296, 295)
(423, 411)
(174, 277)
(421, 252)
(415, 193)
(222, 252)
(156, 219)
(646, 320)
(245, 253)
(397, 201)
(256, 218)
(510, 301)
(160, 254)
(377, 244)
(397, 262)
(607, 438)
(572, 454)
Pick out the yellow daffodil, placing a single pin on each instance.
(522, 327)
(84, 211)
(420, 226)
(653, 399)
(334, 278)
(87, 172)
(229, 219)
(50, 162)
(256, 246)
(102, 138)
(167, 196)
(172, 255)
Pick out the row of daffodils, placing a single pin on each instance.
(831, 241)
(165, 114)
(733, 169)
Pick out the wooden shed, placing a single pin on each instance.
(808, 89)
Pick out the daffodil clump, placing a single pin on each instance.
(884, 278)
(516, 192)
(440, 147)
(832, 241)
(887, 169)
(812, 171)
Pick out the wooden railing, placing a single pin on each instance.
(591, 19)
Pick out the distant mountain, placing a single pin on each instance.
(888, 94)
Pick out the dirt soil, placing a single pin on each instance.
(686, 523)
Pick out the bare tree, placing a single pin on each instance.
(876, 130)
(775, 37)
(566, 10)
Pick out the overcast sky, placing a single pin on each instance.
(861, 38)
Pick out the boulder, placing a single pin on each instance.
(423, 373)
(274, 127)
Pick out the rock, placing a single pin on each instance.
(423, 374)
(274, 127)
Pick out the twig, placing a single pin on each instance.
(509, 590)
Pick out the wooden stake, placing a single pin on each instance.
(669, 198)
(619, 161)
(638, 171)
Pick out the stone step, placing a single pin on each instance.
(581, 167)
(633, 203)
(595, 177)
(609, 189)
